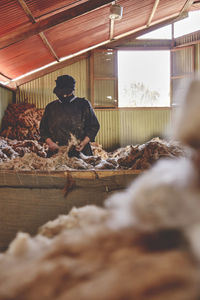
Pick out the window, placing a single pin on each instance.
(187, 25)
(182, 27)
(181, 68)
(103, 78)
(164, 32)
(144, 78)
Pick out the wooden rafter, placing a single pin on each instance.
(48, 45)
(187, 6)
(4, 77)
(153, 12)
(41, 34)
(27, 10)
(28, 30)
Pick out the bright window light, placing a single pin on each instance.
(161, 33)
(187, 25)
(144, 78)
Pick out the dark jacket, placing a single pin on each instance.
(74, 116)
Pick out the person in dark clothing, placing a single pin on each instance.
(68, 114)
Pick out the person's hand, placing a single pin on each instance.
(52, 146)
(82, 144)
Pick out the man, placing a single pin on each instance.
(68, 114)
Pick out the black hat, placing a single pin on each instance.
(65, 81)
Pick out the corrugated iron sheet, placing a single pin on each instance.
(11, 15)
(80, 33)
(43, 7)
(40, 91)
(108, 135)
(197, 57)
(6, 98)
(72, 36)
(135, 126)
(20, 58)
(183, 61)
(189, 38)
(167, 8)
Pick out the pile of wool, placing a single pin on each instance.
(98, 150)
(58, 162)
(10, 149)
(21, 121)
(143, 156)
(89, 215)
(91, 260)
(130, 157)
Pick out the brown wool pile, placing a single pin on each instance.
(21, 121)
(32, 155)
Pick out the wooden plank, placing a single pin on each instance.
(28, 30)
(59, 179)
(49, 46)
(25, 208)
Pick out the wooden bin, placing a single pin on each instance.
(30, 199)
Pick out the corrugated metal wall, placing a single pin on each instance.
(40, 91)
(6, 97)
(118, 127)
(189, 38)
(197, 57)
(134, 126)
(194, 40)
(183, 61)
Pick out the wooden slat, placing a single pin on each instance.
(28, 30)
(187, 6)
(48, 45)
(26, 10)
(57, 179)
(153, 12)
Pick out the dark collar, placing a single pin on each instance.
(68, 99)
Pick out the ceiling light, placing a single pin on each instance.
(116, 12)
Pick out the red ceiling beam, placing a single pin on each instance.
(28, 30)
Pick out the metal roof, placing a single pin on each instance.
(35, 33)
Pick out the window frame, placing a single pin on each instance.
(144, 45)
(93, 78)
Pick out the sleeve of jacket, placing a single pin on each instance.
(44, 128)
(91, 123)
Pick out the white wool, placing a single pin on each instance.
(119, 206)
(164, 197)
(23, 245)
(88, 214)
(187, 123)
(77, 217)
